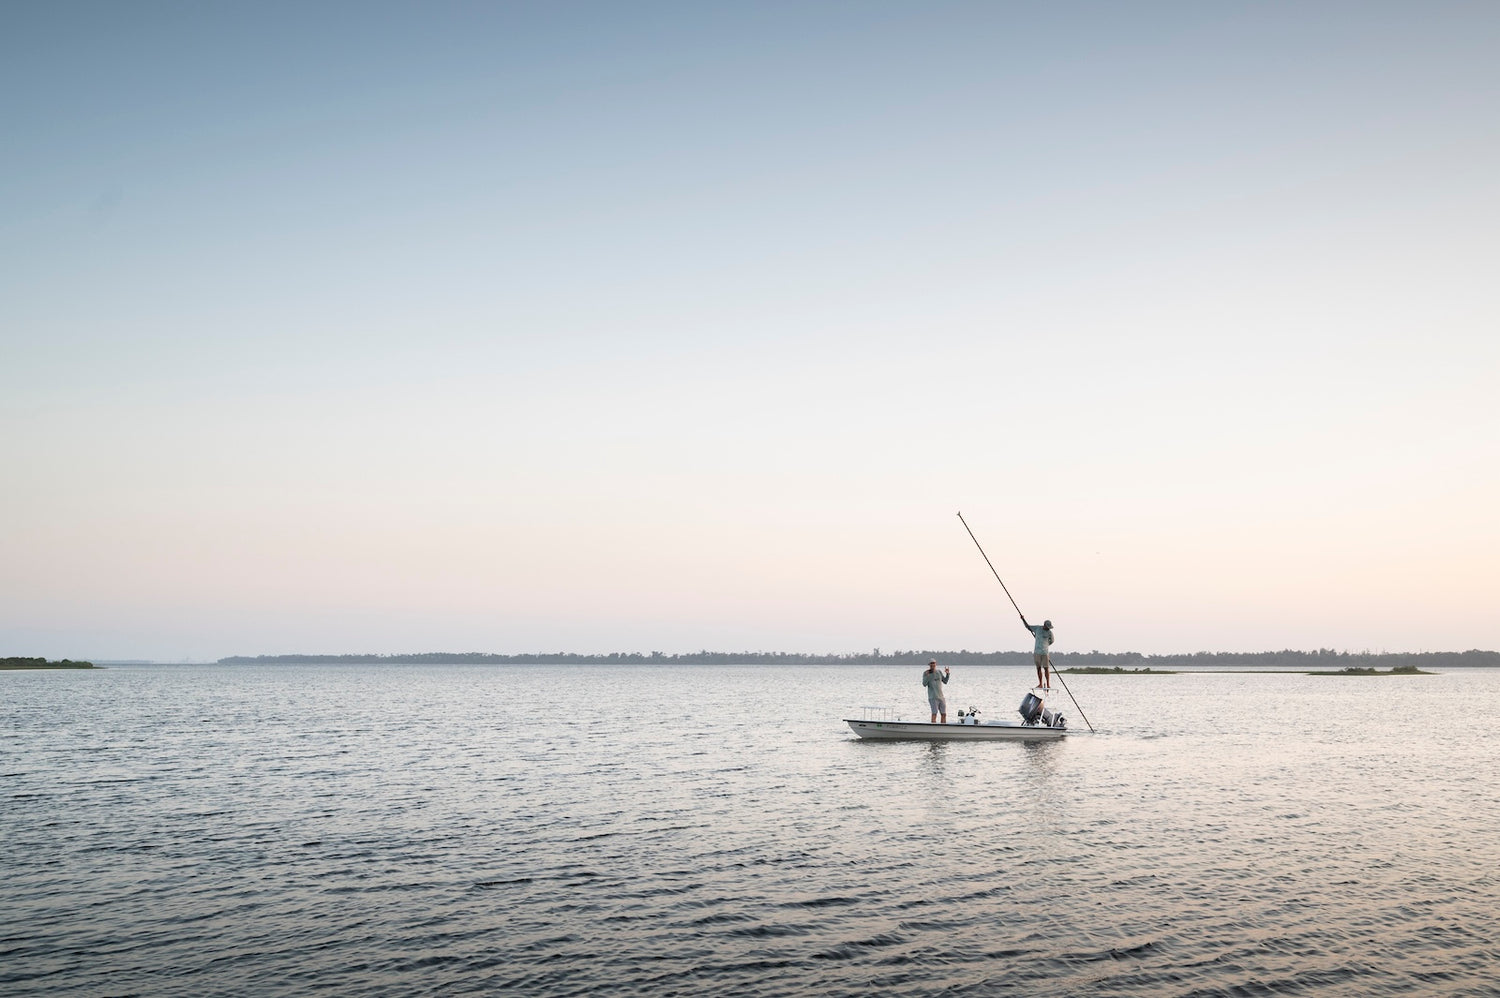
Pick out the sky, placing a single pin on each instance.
(375, 327)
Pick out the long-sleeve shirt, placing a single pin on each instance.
(1043, 638)
(934, 680)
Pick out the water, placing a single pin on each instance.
(395, 830)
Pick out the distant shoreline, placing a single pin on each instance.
(1321, 663)
(1325, 660)
(1400, 670)
(1404, 670)
(18, 664)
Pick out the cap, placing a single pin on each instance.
(1046, 623)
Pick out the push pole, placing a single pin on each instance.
(1012, 599)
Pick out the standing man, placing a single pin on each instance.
(1043, 634)
(934, 680)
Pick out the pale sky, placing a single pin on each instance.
(355, 327)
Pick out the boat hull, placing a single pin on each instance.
(991, 731)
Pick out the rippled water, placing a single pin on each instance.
(403, 830)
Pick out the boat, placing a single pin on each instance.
(1037, 724)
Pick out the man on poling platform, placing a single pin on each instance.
(1043, 634)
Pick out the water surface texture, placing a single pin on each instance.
(401, 830)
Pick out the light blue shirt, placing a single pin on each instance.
(1043, 638)
(934, 680)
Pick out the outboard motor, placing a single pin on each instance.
(1031, 708)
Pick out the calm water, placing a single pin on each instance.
(402, 830)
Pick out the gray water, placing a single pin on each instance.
(399, 830)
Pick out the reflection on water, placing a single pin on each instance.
(403, 830)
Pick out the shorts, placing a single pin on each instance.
(1041, 660)
(939, 704)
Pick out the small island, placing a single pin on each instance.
(42, 663)
(1100, 670)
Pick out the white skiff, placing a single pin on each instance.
(882, 723)
(927, 731)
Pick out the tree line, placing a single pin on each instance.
(15, 662)
(1323, 658)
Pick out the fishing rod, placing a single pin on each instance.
(1019, 613)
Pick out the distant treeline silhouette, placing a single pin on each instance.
(1323, 658)
(42, 663)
